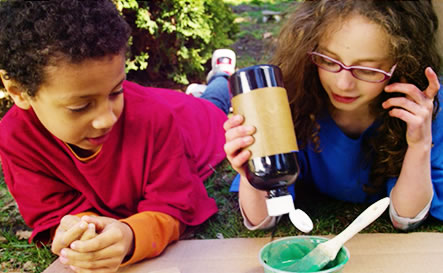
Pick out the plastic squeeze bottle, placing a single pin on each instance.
(259, 96)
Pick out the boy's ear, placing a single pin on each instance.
(17, 93)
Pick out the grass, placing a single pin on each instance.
(16, 254)
(255, 40)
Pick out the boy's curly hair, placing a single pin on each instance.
(35, 34)
(412, 27)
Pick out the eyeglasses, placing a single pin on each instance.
(363, 73)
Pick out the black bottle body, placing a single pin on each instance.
(277, 170)
(272, 172)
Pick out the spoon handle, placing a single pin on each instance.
(363, 220)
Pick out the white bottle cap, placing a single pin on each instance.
(285, 204)
(280, 205)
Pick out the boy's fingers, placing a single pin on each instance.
(64, 238)
(89, 233)
(97, 221)
(68, 221)
(100, 241)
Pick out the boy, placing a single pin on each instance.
(110, 170)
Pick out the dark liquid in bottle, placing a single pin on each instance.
(271, 172)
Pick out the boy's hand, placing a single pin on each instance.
(104, 252)
(238, 136)
(70, 229)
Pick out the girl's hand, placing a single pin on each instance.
(71, 228)
(104, 252)
(238, 137)
(415, 108)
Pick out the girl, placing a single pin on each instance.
(362, 81)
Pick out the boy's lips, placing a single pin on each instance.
(343, 99)
(98, 140)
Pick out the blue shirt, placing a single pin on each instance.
(340, 170)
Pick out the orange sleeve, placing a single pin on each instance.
(153, 232)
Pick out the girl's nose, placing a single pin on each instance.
(345, 80)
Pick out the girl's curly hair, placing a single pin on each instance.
(35, 34)
(412, 27)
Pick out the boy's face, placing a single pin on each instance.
(80, 103)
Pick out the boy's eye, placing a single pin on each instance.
(78, 108)
(116, 93)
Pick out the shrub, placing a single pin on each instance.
(175, 38)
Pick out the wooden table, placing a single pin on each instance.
(370, 253)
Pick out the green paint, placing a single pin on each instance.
(282, 252)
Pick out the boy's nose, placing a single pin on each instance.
(106, 119)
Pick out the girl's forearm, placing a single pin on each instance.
(413, 189)
(252, 201)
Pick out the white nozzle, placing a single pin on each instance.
(285, 204)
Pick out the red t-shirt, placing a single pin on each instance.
(161, 149)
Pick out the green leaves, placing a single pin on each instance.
(178, 36)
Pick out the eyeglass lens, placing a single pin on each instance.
(359, 73)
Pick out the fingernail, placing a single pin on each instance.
(248, 139)
(249, 129)
(83, 224)
(63, 260)
(73, 245)
(73, 268)
(63, 252)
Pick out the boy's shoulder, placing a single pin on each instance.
(21, 127)
(15, 119)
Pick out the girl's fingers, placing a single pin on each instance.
(411, 91)
(238, 161)
(434, 84)
(233, 147)
(402, 102)
(233, 121)
(238, 132)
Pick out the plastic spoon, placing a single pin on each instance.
(327, 251)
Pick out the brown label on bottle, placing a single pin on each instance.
(268, 110)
